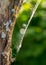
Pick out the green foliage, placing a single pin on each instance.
(33, 51)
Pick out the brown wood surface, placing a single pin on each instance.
(7, 13)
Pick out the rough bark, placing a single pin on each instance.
(8, 14)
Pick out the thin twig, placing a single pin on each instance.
(33, 12)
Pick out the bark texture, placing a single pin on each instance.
(8, 14)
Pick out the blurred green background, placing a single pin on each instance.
(33, 50)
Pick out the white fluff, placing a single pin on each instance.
(3, 35)
(7, 28)
(13, 10)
